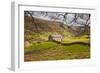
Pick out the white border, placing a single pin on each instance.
(18, 38)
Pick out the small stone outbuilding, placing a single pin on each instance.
(56, 37)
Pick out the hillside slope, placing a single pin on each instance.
(40, 25)
(36, 25)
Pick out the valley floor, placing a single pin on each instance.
(55, 51)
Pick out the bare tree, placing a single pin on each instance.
(30, 13)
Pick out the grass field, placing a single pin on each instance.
(54, 51)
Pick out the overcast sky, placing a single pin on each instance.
(69, 19)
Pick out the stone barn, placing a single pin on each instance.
(56, 37)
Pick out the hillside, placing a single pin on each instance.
(36, 25)
(40, 25)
